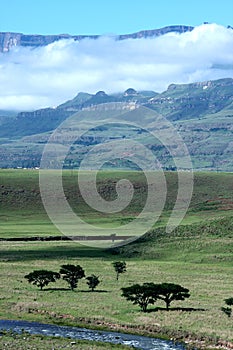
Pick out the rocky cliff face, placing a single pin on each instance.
(9, 40)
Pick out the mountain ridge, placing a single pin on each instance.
(10, 39)
(202, 113)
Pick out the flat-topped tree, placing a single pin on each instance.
(42, 278)
(141, 295)
(169, 292)
(71, 274)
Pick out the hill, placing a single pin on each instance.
(205, 242)
(200, 112)
(23, 214)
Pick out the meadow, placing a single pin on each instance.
(197, 255)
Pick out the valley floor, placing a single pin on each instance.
(197, 255)
(199, 317)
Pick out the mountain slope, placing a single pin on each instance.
(188, 101)
(201, 112)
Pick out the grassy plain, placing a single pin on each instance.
(197, 255)
(22, 213)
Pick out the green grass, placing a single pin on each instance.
(206, 242)
(209, 283)
(11, 341)
(22, 212)
(197, 255)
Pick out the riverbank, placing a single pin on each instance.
(13, 341)
(190, 340)
(112, 337)
(181, 338)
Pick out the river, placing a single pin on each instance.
(137, 341)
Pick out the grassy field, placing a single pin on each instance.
(209, 284)
(35, 342)
(22, 213)
(197, 255)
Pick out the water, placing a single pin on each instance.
(137, 341)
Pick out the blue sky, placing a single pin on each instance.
(55, 73)
(109, 16)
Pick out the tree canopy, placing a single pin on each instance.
(120, 267)
(149, 293)
(42, 278)
(92, 282)
(71, 274)
(142, 295)
(169, 292)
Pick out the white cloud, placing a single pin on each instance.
(47, 76)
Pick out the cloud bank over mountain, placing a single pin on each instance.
(46, 76)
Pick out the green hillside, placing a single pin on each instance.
(208, 242)
(22, 212)
(200, 112)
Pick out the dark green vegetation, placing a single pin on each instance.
(201, 112)
(42, 278)
(119, 267)
(92, 282)
(197, 255)
(141, 295)
(71, 274)
(228, 310)
(149, 293)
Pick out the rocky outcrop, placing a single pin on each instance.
(9, 40)
(157, 32)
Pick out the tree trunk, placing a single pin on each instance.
(144, 307)
(167, 304)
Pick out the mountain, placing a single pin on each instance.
(47, 119)
(202, 114)
(9, 40)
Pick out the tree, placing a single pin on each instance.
(141, 295)
(229, 301)
(169, 292)
(120, 267)
(42, 278)
(228, 310)
(92, 282)
(71, 274)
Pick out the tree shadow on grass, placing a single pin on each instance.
(56, 289)
(185, 309)
(76, 290)
(94, 291)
